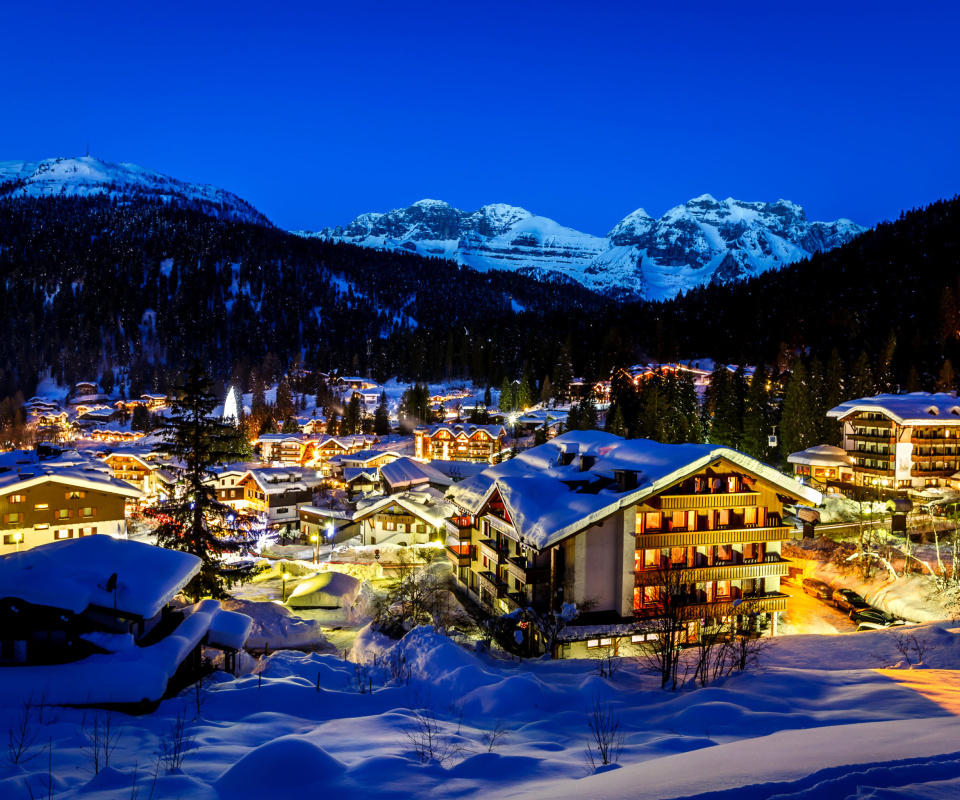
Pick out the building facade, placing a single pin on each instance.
(902, 441)
(459, 441)
(592, 519)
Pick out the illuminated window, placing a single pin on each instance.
(75, 495)
(17, 498)
(63, 533)
(89, 512)
(63, 513)
(41, 506)
(41, 527)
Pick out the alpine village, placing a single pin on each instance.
(470, 503)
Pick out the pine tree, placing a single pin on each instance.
(381, 417)
(589, 419)
(833, 394)
(862, 384)
(758, 416)
(353, 416)
(726, 420)
(795, 421)
(563, 375)
(525, 391)
(615, 424)
(947, 382)
(259, 400)
(197, 520)
(818, 399)
(487, 397)
(546, 391)
(506, 396)
(885, 380)
(284, 402)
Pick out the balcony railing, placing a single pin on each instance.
(771, 567)
(653, 541)
(520, 568)
(708, 500)
(461, 555)
(459, 529)
(492, 584)
(722, 607)
(490, 549)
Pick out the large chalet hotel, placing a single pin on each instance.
(458, 441)
(596, 520)
(901, 441)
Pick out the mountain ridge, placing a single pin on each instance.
(87, 175)
(701, 241)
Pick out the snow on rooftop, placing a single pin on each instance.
(913, 408)
(405, 472)
(71, 574)
(546, 501)
(821, 455)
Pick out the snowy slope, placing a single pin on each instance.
(67, 177)
(701, 241)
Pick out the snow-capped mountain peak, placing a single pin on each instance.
(86, 175)
(694, 243)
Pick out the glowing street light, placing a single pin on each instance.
(286, 577)
(316, 543)
(17, 536)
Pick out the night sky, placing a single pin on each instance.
(580, 111)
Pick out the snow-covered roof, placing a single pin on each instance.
(80, 473)
(547, 502)
(914, 408)
(822, 455)
(363, 456)
(72, 573)
(351, 474)
(405, 472)
(457, 470)
(424, 503)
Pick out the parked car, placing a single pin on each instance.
(849, 600)
(874, 615)
(816, 588)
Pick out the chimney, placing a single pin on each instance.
(586, 462)
(627, 480)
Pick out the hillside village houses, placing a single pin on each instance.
(313, 450)
(590, 517)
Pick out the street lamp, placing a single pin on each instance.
(17, 537)
(286, 577)
(316, 553)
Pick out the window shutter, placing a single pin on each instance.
(94, 512)
(6, 518)
(71, 514)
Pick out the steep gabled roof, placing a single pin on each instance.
(548, 501)
(914, 408)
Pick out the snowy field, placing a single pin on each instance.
(821, 720)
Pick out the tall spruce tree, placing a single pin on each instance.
(796, 427)
(833, 394)
(196, 522)
(381, 417)
(563, 375)
(862, 384)
(546, 391)
(758, 416)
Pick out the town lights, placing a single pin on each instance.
(316, 545)
(17, 536)
(285, 576)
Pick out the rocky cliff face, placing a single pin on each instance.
(700, 241)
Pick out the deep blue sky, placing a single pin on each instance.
(578, 111)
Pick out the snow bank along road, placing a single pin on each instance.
(820, 721)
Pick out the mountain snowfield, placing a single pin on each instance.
(70, 177)
(701, 241)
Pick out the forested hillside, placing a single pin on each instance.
(145, 285)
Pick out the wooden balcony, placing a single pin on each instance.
(460, 555)
(653, 541)
(500, 525)
(706, 500)
(489, 548)
(519, 568)
(492, 584)
(718, 572)
(461, 530)
(771, 601)
(871, 437)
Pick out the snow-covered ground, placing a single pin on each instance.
(820, 721)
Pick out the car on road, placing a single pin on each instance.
(874, 615)
(815, 588)
(849, 601)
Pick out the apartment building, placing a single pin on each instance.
(592, 518)
(902, 441)
(458, 441)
